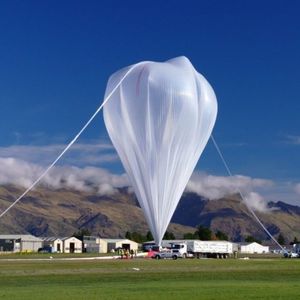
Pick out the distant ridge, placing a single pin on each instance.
(64, 211)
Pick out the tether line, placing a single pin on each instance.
(71, 143)
(242, 196)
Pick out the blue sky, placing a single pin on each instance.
(56, 57)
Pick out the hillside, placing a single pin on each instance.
(231, 216)
(62, 212)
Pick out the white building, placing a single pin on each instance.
(100, 245)
(252, 248)
(91, 244)
(20, 243)
(55, 243)
(112, 244)
(71, 245)
(296, 248)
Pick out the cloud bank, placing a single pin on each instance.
(93, 179)
(293, 139)
(22, 165)
(297, 188)
(216, 187)
(79, 154)
(18, 172)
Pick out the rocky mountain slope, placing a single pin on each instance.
(231, 216)
(63, 212)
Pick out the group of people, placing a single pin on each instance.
(126, 253)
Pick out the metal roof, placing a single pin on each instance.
(251, 243)
(68, 237)
(117, 240)
(23, 237)
(50, 238)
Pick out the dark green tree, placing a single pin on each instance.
(203, 233)
(128, 235)
(189, 236)
(251, 239)
(220, 235)
(138, 237)
(295, 241)
(281, 239)
(149, 236)
(169, 236)
(81, 233)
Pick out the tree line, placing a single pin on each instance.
(140, 238)
(201, 233)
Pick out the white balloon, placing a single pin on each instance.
(159, 121)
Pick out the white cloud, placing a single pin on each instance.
(285, 191)
(25, 168)
(256, 202)
(79, 154)
(293, 139)
(297, 188)
(216, 187)
(16, 171)
(86, 179)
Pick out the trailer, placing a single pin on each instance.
(215, 249)
(198, 249)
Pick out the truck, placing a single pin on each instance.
(194, 248)
(215, 249)
(170, 253)
(293, 253)
(197, 248)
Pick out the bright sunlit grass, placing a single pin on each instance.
(164, 279)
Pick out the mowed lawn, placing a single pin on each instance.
(151, 279)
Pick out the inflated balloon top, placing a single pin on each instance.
(159, 120)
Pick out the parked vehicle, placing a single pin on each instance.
(172, 253)
(291, 254)
(214, 249)
(193, 248)
(182, 249)
(149, 247)
(45, 249)
(197, 248)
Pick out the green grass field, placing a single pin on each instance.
(163, 279)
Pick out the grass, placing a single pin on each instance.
(31, 255)
(163, 279)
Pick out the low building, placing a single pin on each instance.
(91, 244)
(71, 245)
(100, 245)
(253, 248)
(20, 243)
(9, 244)
(112, 244)
(296, 248)
(55, 243)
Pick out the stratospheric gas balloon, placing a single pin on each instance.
(159, 120)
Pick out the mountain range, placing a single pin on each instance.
(61, 212)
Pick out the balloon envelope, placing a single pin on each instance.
(159, 121)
